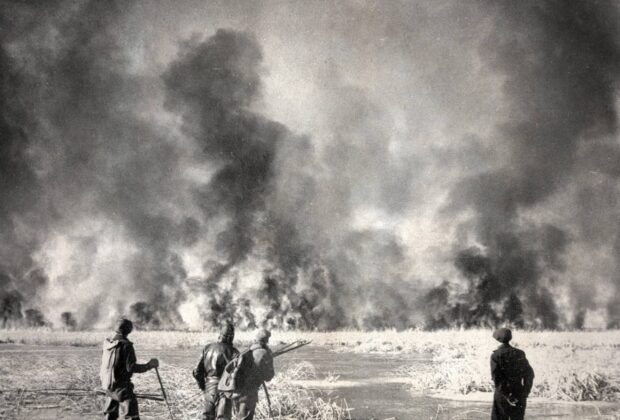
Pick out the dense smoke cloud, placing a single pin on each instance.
(19, 190)
(560, 63)
(431, 165)
(85, 162)
(213, 83)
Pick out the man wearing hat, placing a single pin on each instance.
(212, 362)
(513, 378)
(259, 369)
(118, 364)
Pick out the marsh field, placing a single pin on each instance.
(341, 375)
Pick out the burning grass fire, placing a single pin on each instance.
(406, 167)
(168, 176)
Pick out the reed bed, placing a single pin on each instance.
(386, 341)
(64, 386)
(568, 372)
(569, 366)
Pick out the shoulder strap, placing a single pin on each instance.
(239, 356)
(226, 358)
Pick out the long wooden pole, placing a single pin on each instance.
(163, 392)
(73, 392)
(268, 400)
(290, 348)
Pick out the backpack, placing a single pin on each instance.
(233, 376)
(109, 357)
(109, 360)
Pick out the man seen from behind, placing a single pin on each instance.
(513, 378)
(118, 364)
(214, 358)
(259, 369)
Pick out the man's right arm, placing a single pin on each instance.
(266, 365)
(199, 373)
(133, 366)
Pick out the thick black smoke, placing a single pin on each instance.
(20, 193)
(560, 62)
(68, 321)
(145, 175)
(213, 84)
(147, 316)
(75, 151)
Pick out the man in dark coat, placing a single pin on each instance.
(258, 368)
(118, 364)
(513, 378)
(214, 358)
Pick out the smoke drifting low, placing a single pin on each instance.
(561, 64)
(431, 166)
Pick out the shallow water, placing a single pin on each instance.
(366, 381)
(379, 393)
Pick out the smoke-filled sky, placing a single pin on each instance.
(314, 165)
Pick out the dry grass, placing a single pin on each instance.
(388, 341)
(32, 371)
(568, 366)
(153, 339)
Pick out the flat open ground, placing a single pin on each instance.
(408, 375)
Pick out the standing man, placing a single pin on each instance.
(118, 364)
(215, 357)
(513, 378)
(258, 368)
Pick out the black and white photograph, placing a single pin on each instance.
(310, 209)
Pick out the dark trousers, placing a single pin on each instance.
(246, 405)
(503, 410)
(217, 404)
(121, 399)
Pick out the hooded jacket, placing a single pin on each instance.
(118, 363)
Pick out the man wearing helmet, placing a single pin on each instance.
(259, 369)
(214, 358)
(118, 364)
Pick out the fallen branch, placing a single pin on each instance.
(43, 407)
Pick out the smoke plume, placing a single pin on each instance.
(560, 64)
(309, 166)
